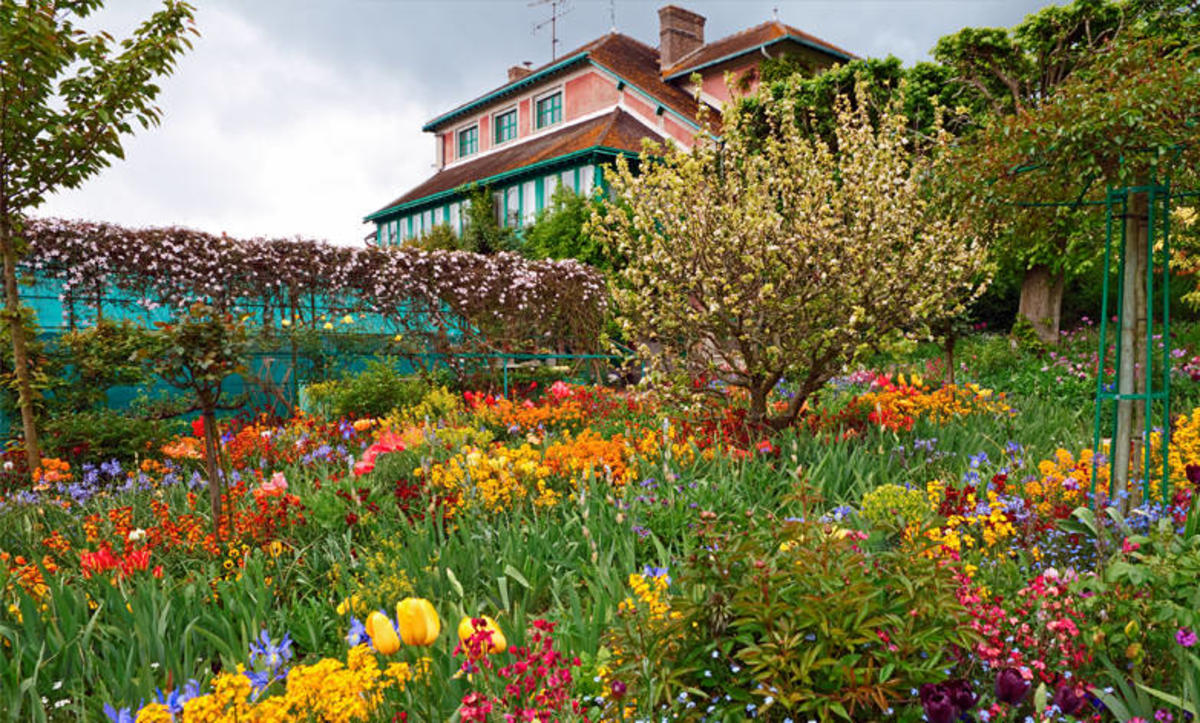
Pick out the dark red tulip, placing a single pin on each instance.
(937, 705)
(1011, 686)
(961, 694)
(1070, 700)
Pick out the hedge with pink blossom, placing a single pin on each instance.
(444, 300)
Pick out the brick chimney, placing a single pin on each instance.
(679, 33)
(517, 72)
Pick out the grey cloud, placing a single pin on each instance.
(298, 117)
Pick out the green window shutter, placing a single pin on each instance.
(506, 126)
(549, 110)
(468, 141)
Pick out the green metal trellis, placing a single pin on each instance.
(1157, 220)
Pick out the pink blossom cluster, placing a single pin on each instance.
(504, 298)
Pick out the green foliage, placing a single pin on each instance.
(1026, 336)
(439, 238)
(560, 233)
(42, 369)
(823, 629)
(99, 641)
(99, 435)
(921, 89)
(1081, 96)
(199, 351)
(373, 392)
(97, 358)
(437, 403)
(482, 231)
(1146, 592)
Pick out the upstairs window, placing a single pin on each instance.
(549, 110)
(468, 141)
(506, 126)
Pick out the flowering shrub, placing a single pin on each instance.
(788, 620)
(439, 301)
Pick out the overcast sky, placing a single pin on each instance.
(299, 117)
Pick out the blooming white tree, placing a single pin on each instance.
(765, 254)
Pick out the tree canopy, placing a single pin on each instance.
(67, 98)
(764, 256)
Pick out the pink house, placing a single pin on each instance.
(564, 122)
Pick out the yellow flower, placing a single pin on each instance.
(328, 325)
(347, 319)
(466, 627)
(382, 634)
(419, 623)
(351, 604)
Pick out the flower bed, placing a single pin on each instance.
(609, 557)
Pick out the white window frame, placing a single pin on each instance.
(533, 108)
(458, 141)
(504, 111)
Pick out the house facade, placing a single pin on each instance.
(563, 123)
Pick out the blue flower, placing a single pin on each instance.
(175, 700)
(124, 715)
(357, 634)
(272, 654)
(651, 571)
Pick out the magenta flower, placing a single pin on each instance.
(1185, 637)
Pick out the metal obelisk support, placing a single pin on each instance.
(1143, 249)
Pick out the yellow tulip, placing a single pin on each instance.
(418, 621)
(382, 634)
(466, 628)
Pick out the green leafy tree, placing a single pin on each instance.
(1131, 117)
(197, 353)
(927, 88)
(1015, 73)
(439, 238)
(482, 231)
(67, 96)
(765, 256)
(560, 232)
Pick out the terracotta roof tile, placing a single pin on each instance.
(637, 63)
(617, 129)
(746, 41)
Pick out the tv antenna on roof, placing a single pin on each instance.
(558, 8)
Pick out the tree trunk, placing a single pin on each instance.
(758, 405)
(1131, 377)
(1041, 301)
(211, 442)
(949, 341)
(16, 329)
